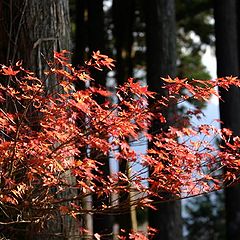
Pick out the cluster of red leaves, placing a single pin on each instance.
(139, 235)
(46, 136)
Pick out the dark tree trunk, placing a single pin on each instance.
(161, 61)
(34, 28)
(80, 55)
(31, 31)
(227, 65)
(96, 34)
(102, 223)
(80, 34)
(123, 36)
(89, 37)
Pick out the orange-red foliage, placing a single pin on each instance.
(40, 142)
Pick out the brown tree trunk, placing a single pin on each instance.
(123, 35)
(161, 61)
(31, 31)
(227, 65)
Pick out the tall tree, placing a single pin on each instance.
(79, 20)
(89, 37)
(31, 31)
(161, 61)
(228, 64)
(123, 37)
(102, 223)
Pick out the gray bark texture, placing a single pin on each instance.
(227, 50)
(31, 28)
(161, 62)
(30, 31)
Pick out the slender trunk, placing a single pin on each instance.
(102, 223)
(228, 64)
(80, 33)
(89, 37)
(161, 61)
(123, 35)
(80, 14)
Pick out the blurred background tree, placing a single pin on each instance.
(204, 218)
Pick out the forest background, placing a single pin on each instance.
(148, 40)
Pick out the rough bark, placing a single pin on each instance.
(228, 64)
(31, 31)
(34, 28)
(161, 61)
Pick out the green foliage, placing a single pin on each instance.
(195, 32)
(196, 16)
(205, 217)
(191, 66)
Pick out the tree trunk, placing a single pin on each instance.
(94, 16)
(80, 33)
(31, 31)
(80, 13)
(123, 36)
(228, 64)
(89, 37)
(161, 61)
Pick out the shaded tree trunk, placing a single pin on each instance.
(161, 61)
(31, 31)
(102, 223)
(227, 65)
(96, 35)
(90, 36)
(123, 36)
(79, 15)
